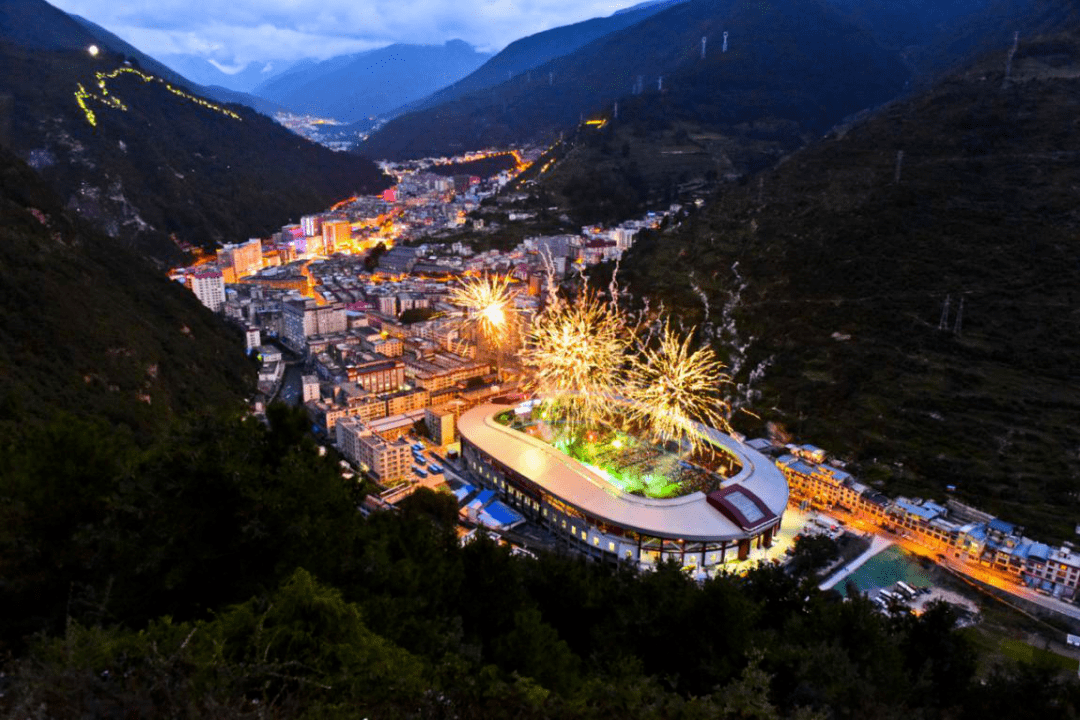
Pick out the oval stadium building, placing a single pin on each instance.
(576, 502)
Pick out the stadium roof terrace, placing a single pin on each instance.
(760, 485)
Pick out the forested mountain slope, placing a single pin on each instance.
(838, 266)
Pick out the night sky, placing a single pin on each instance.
(236, 32)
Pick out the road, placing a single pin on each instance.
(980, 574)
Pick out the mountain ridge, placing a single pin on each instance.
(353, 87)
(149, 161)
(631, 62)
(534, 50)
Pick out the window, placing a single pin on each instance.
(611, 547)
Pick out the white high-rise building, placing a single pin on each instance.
(209, 287)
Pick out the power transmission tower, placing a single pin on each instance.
(959, 318)
(1008, 61)
(660, 84)
(899, 166)
(943, 324)
(703, 41)
(724, 49)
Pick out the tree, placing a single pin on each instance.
(813, 552)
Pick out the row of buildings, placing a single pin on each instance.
(953, 530)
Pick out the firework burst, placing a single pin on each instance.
(489, 308)
(577, 352)
(673, 390)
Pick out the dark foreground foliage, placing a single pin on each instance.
(225, 572)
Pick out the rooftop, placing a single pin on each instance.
(690, 517)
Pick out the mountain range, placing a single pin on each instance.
(530, 52)
(353, 87)
(200, 70)
(798, 60)
(141, 154)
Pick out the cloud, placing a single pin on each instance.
(239, 31)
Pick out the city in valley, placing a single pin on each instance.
(480, 360)
(363, 316)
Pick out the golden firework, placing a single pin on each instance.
(577, 351)
(674, 391)
(489, 307)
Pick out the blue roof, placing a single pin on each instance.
(485, 497)
(463, 492)
(1039, 550)
(1001, 526)
(502, 514)
(918, 510)
(794, 463)
(931, 505)
(977, 533)
(838, 474)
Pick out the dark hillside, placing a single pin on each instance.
(837, 275)
(529, 52)
(167, 164)
(938, 36)
(89, 328)
(797, 60)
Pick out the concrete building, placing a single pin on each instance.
(310, 388)
(240, 260)
(252, 338)
(209, 288)
(407, 401)
(441, 424)
(337, 234)
(386, 461)
(303, 318)
(443, 370)
(311, 225)
(381, 376)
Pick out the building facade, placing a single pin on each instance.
(597, 520)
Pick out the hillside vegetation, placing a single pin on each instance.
(835, 268)
(89, 328)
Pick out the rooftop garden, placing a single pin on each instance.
(625, 458)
